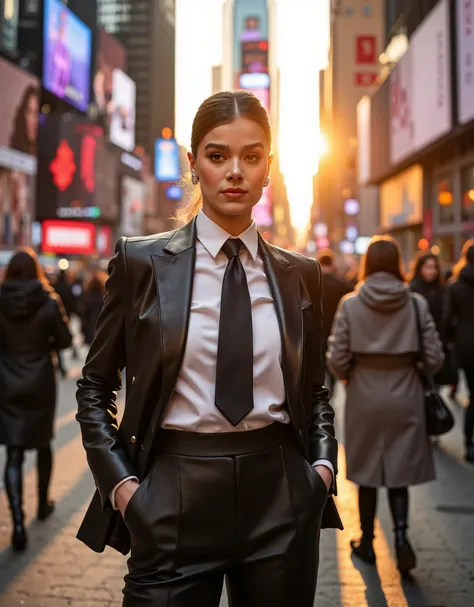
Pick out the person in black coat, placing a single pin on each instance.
(462, 317)
(334, 289)
(32, 326)
(92, 300)
(427, 279)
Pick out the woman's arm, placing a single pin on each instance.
(322, 441)
(101, 380)
(62, 337)
(339, 355)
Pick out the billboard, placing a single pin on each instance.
(67, 55)
(19, 111)
(68, 237)
(401, 199)
(133, 207)
(465, 60)
(420, 87)
(167, 160)
(122, 120)
(111, 55)
(262, 211)
(72, 159)
(254, 56)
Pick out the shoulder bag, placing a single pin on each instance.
(439, 418)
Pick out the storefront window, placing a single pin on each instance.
(445, 200)
(467, 194)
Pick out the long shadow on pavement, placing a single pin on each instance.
(42, 534)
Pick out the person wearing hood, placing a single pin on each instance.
(374, 347)
(462, 318)
(33, 325)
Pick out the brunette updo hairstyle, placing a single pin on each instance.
(383, 255)
(222, 108)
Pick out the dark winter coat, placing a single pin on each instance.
(91, 306)
(462, 315)
(32, 326)
(333, 290)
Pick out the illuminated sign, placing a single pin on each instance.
(254, 80)
(68, 238)
(174, 192)
(166, 160)
(255, 56)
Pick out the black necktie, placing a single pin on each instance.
(234, 373)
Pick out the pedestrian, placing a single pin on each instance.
(92, 299)
(32, 326)
(63, 288)
(462, 317)
(227, 425)
(427, 280)
(374, 347)
(334, 289)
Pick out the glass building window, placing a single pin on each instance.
(467, 194)
(445, 200)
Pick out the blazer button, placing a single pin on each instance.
(133, 439)
(133, 379)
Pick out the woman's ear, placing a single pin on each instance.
(192, 161)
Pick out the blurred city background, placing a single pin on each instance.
(372, 107)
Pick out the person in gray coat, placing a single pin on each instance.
(374, 347)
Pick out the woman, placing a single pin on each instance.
(25, 130)
(92, 304)
(375, 348)
(427, 280)
(32, 327)
(462, 315)
(227, 424)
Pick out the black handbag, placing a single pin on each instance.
(439, 418)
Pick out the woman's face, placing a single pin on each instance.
(31, 118)
(429, 270)
(232, 163)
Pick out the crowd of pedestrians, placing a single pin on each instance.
(369, 341)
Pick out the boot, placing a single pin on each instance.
(406, 558)
(19, 537)
(44, 465)
(363, 548)
(14, 489)
(470, 454)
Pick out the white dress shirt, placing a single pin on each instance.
(192, 407)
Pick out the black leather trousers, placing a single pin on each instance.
(246, 505)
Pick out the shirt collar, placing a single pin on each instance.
(212, 237)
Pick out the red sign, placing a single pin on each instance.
(366, 50)
(68, 237)
(365, 79)
(63, 167)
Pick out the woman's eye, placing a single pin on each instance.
(216, 157)
(253, 158)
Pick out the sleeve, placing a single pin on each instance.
(117, 486)
(432, 346)
(100, 382)
(322, 441)
(61, 337)
(339, 355)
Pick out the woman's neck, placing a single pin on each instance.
(232, 224)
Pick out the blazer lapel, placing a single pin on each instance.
(174, 272)
(284, 281)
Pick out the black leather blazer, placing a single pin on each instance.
(143, 326)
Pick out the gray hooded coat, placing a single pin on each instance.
(374, 347)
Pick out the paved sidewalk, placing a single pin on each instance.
(58, 571)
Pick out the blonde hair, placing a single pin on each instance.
(467, 256)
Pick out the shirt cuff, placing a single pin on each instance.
(327, 464)
(119, 484)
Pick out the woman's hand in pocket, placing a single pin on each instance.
(124, 494)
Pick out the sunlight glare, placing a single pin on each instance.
(302, 50)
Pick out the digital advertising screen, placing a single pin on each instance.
(166, 160)
(67, 55)
(133, 207)
(19, 111)
(122, 122)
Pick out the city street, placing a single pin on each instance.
(58, 571)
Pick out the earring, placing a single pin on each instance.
(194, 178)
(266, 183)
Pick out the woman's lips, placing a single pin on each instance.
(234, 193)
